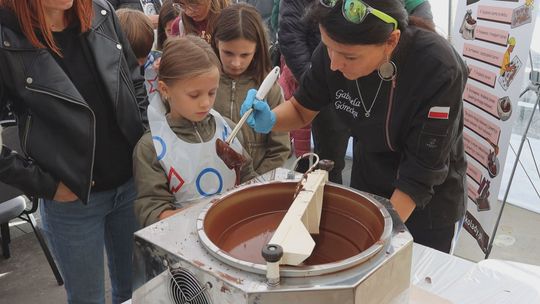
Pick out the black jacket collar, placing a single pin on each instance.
(11, 36)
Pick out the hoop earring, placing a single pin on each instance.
(387, 71)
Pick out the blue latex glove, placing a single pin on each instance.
(262, 119)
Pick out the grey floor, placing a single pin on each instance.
(27, 278)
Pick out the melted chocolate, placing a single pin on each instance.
(231, 158)
(242, 223)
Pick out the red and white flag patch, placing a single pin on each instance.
(439, 112)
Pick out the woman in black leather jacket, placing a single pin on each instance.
(73, 83)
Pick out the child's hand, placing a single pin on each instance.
(170, 212)
(167, 213)
(262, 119)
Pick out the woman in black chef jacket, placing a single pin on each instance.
(398, 86)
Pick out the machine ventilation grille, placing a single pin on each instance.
(185, 289)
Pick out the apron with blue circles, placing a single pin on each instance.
(150, 73)
(193, 169)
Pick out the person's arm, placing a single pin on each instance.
(313, 91)
(169, 212)
(25, 175)
(430, 144)
(154, 200)
(18, 171)
(291, 115)
(403, 204)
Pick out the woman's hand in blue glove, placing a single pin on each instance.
(262, 119)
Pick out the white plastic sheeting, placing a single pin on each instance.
(464, 282)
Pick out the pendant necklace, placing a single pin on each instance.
(366, 110)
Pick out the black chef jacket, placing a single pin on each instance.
(407, 142)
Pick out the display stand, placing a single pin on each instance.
(534, 86)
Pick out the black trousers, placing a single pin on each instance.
(439, 239)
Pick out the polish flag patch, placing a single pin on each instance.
(439, 112)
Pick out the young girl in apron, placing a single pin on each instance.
(176, 161)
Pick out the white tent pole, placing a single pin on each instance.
(450, 8)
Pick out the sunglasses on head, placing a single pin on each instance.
(356, 11)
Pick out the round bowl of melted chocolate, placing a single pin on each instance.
(354, 228)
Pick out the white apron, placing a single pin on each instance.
(193, 170)
(150, 74)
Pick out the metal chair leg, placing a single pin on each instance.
(6, 239)
(45, 248)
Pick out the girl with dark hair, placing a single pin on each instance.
(74, 85)
(240, 43)
(166, 18)
(398, 87)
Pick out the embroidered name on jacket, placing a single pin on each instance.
(345, 102)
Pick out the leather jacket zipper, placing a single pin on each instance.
(233, 96)
(388, 114)
(93, 125)
(25, 135)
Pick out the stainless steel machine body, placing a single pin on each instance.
(176, 264)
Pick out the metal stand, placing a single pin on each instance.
(37, 231)
(534, 86)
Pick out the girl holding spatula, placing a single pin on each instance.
(241, 44)
(177, 162)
